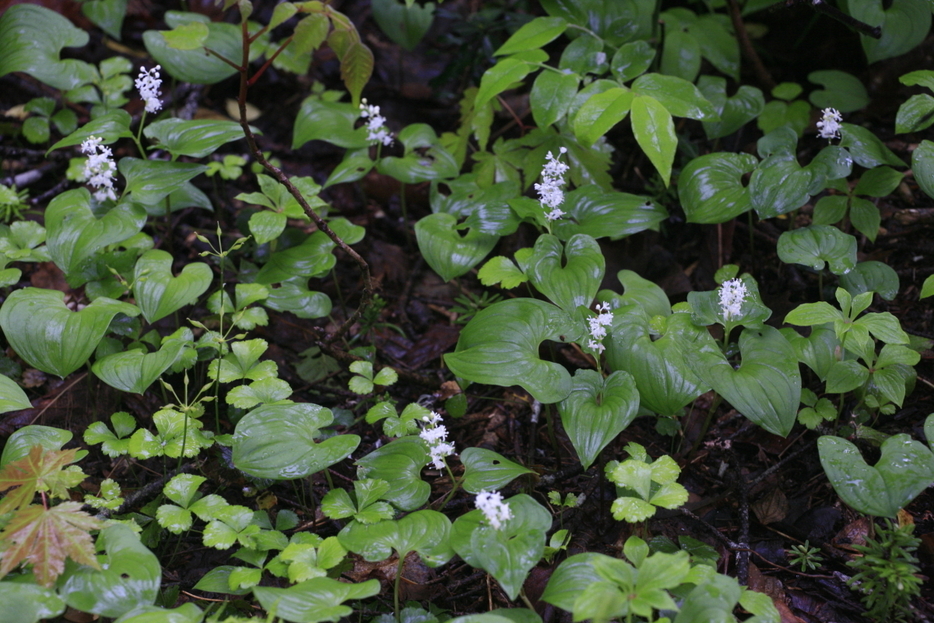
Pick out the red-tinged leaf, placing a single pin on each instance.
(310, 33)
(356, 69)
(41, 468)
(45, 537)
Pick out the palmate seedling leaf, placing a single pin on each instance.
(485, 470)
(40, 470)
(265, 391)
(597, 410)
(31, 39)
(242, 362)
(499, 346)
(113, 443)
(44, 537)
(508, 554)
(905, 469)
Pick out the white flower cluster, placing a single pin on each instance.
(493, 508)
(598, 325)
(732, 295)
(148, 84)
(99, 169)
(829, 125)
(550, 191)
(435, 435)
(375, 125)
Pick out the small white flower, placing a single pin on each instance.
(435, 435)
(148, 84)
(550, 191)
(732, 295)
(375, 125)
(598, 325)
(829, 125)
(493, 508)
(99, 168)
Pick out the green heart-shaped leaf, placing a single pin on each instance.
(779, 184)
(485, 470)
(666, 382)
(766, 387)
(31, 39)
(134, 371)
(196, 66)
(598, 213)
(278, 442)
(194, 138)
(570, 274)
(158, 293)
(735, 111)
(399, 462)
(12, 396)
(318, 119)
(150, 181)
(449, 253)
(311, 258)
(315, 600)
(597, 410)
(130, 576)
(499, 346)
(711, 187)
(905, 469)
(51, 337)
(425, 531)
(508, 554)
(816, 244)
(76, 234)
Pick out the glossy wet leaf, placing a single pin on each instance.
(129, 577)
(569, 274)
(150, 181)
(598, 213)
(311, 258)
(817, 245)
(867, 149)
(315, 600)
(196, 138)
(195, 65)
(448, 251)
(707, 310)
(399, 462)
(499, 77)
(334, 122)
(632, 60)
(676, 95)
(842, 91)
(922, 163)
(425, 531)
(12, 397)
(766, 387)
(159, 293)
(49, 336)
(135, 370)
(76, 234)
(597, 410)
(551, 96)
(500, 615)
(600, 113)
(570, 579)
(485, 470)
(711, 187)
(735, 111)
(31, 41)
(904, 470)
(28, 602)
(637, 291)
(500, 346)
(655, 132)
(904, 24)
(294, 296)
(278, 442)
(508, 554)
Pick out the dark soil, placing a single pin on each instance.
(753, 495)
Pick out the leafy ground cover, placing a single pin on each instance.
(589, 339)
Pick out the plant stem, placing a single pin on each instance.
(395, 598)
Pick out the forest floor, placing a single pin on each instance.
(753, 495)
